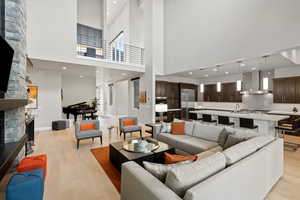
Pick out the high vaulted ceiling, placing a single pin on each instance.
(114, 7)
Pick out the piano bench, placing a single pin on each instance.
(60, 125)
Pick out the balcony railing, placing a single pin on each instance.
(125, 54)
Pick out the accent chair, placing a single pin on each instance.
(87, 134)
(129, 128)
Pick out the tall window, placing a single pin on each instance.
(110, 94)
(136, 92)
(89, 41)
(118, 48)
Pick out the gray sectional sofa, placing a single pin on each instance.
(247, 170)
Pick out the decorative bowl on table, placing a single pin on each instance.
(141, 146)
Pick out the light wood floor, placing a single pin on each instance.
(75, 174)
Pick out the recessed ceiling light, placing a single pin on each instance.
(80, 76)
(64, 68)
(115, 2)
(253, 68)
(190, 73)
(226, 72)
(124, 74)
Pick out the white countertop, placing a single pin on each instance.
(255, 116)
(278, 112)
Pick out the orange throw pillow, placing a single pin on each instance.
(128, 122)
(87, 127)
(177, 128)
(173, 158)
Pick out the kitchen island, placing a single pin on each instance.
(266, 122)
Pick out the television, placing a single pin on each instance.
(7, 54)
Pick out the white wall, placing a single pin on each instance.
(120, 99)
(90, 13)
(120, 23)
(204, 33)
(51, 29)
(287, 72)
(52, 34)
(49, 98)
(76, 90)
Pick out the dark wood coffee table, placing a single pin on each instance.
(118, 155)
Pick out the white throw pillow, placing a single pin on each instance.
(207, 132)
(165, 127)
(184, 177)
(239, 151)
(160, 170)
(262, 141)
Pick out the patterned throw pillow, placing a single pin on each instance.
(165, 127)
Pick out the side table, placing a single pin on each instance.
(152, 126)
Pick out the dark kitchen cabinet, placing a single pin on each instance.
(297, 90)
(285, 90)
(228, 93)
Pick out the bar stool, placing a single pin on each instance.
(208, 119)
(248, 123)
(224, 120)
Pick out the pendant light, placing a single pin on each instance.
(266, 79)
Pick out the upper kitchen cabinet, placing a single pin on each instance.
(286, 90)
(297, 90)
(228, 93)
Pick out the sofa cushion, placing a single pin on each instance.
(131, 128)
(239, 151)
(262, 141)
(207, 132)
(246, 133)
(171, 139)
(181, 178)
(88, 134)
(194, 145)
(173, 158)
(223, 137)
(160, 170)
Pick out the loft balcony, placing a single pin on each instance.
(128, 54)
(91, 45)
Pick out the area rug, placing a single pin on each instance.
(102, 156)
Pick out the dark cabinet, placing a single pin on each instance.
(228, 93)
(286, 90)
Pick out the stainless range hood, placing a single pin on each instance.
(253, 82)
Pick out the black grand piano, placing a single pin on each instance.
(82, 108)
